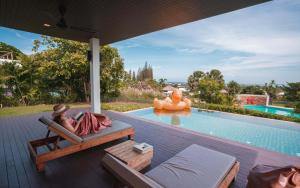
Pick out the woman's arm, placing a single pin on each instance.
(68, 126)
(77, 124)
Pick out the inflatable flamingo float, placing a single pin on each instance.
(173, 104)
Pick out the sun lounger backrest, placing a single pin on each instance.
(60, 130)
(126, 174)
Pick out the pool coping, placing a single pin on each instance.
(232, 142)
(133, 110)
(281, 107)
(244, 115)
(269, 119)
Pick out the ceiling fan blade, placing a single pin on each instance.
(60, 22)
(62, 10)
(49, 16)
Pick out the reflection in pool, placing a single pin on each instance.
(175, 116)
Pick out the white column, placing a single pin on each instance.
(267, 99)
(95, 75)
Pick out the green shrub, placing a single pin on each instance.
(243, 111)
(9, 101)
(297, 107)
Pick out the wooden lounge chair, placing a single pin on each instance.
(195, 166)
(116, 131)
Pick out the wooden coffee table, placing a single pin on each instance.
(125, 153)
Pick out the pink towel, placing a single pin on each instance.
(92, 124)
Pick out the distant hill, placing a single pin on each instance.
(10, 48)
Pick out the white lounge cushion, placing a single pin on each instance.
(195, 166)
(115, 127)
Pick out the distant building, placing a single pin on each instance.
(6, 56)
(223, 91)
(244, 99)
(168, 89)
(280, 94)
(6, 92)
(183, 89)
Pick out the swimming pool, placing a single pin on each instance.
(270, 134)
(273, 110)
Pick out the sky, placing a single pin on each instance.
(251, 46)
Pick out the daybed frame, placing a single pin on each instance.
(56, 151)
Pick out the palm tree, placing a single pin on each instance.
(162, 82)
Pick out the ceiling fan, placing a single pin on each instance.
(61, 22)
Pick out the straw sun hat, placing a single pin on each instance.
(59, 109)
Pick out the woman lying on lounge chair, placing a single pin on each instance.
(88, 123)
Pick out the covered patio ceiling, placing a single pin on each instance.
(109, 20)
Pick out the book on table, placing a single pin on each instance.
(142, 147)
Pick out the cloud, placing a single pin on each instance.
(273, 32)
(19, 35)
(262, 37)
(127, 45)
(266, 36)
(258, 62)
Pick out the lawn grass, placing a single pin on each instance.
(124, 106)
(25, 110)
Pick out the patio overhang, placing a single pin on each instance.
(108, 20)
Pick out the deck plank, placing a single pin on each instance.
(3, 169)
(84, 169)
(22, 177)
(21, 142)
(10, 164)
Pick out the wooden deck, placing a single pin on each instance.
(84, 169)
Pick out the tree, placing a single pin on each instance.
(208, 85)
(145, 73)
(130, 75)
(252, 89)
(193, 80)
(211, 86)
(17, 77)
(215, 75)
(58, 71)
(210, 90)
(138, 76)
(162, 82)
(133, 76)
(271, 89)
(112, 72)
(64, 69)
(233, 88)
(292, 91)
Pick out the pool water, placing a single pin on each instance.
(273, 110)
(270, 134)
